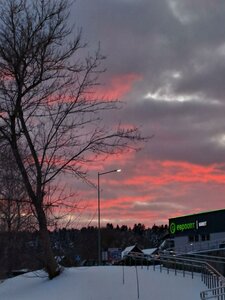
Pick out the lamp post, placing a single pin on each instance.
(99, 215)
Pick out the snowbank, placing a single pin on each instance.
(103, 283)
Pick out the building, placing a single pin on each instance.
(198, 232)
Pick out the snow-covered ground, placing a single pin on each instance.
(103, 283)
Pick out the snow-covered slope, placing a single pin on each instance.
(103, 283)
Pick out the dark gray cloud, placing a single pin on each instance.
(177, 48)
(186, 131)
(148, 37)
(158, 39)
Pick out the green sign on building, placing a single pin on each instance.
(181, 227)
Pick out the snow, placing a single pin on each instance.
(149, 251)
(127, 250)
(104, 283)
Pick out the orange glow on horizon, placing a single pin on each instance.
(160, 190)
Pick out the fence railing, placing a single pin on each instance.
(210, 276)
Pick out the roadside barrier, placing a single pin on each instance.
(212, 278)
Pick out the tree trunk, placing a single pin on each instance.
(50, 263)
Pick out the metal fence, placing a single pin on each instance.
(210, 276)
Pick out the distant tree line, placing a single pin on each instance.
(22, 249)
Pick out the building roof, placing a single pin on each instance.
(149, 251)
(130, 249)
(200, 213)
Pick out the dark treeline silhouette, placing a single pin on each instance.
(22, 250)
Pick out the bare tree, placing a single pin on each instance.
(47, 103)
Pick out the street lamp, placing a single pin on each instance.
(99, 216)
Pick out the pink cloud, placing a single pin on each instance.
(155, 192)
(118, 86)
(165, 172)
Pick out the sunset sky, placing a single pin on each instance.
(166, 61)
